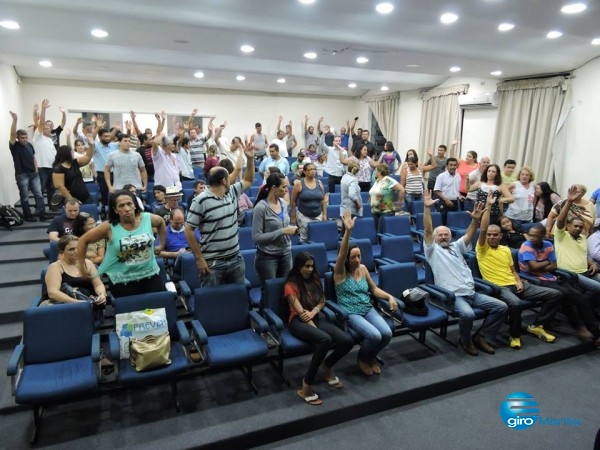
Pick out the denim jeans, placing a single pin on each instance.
(25, 182)
(272, 266)
(324, 337)
(409, 199)
(496, 312)
(532, 293)
(225, 271)
(590, 284)
(375, 332)
(46, 182)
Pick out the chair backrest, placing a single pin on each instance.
(333, 212)
(253, 192)
(164, 277)
(57, 332)
(471, 259)
(329, 287)
(395, 278)
(92, 210)
(222, 309)
(273, 298)
(366, 198)
(317, 251)
(364, 228)
(325, 232)
(251, 275)
(418, 207)
(43, 280)
(366, 253)
(189, 271)
(248, 218)
(337, 188)
(397, 248)
(187, 184)
(367, 210)
(436, 220)
(245, 238)
(396, 225)
(153, 300)
(458, 219)
(335, 198)
(53, 252)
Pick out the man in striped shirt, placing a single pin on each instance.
(214, 212)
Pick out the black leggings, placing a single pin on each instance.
(143, 286)
(324, 336)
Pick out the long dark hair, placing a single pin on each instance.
(497, 179)
(310, 289)
(546, 197)
(275, 179)
(358, 151)
(113, 217)
(347, 261)
(79, 223)
(63, 154)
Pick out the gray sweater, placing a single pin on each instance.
(267, 229)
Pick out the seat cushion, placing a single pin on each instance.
(235, 349)
(55, 381)
(293, 345)
(434, 318)
(179, 364)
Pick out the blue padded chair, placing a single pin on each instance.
(178, 334)
(364, 228)
(248, 218)
(223, 328)
(53, 252)
(326, 233)
(367, 210)
(399, 249)
(92, 210)
(335, 198)
(395, 279)
(187, 184)
(458, 222)
(318, 251)
(189, 279)
(245, 238)
(366, 257)
(418, 207)
(340, 313)
(258, 181)
(395, 225)
(333, 212)
(436, 220)
(252, 281)
(274, 307)
(58, 358)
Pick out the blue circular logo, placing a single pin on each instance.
(519, 411)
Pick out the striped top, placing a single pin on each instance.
(216, 218)
(414, 183)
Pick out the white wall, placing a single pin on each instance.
(10, 100)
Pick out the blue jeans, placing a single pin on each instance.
(272, 266)
(409, 199)
(26, 181)
(375, 332)
(496, 312)
(46, 182)
(590, 284)
(225, 271)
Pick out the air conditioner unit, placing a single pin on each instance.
(483, 100)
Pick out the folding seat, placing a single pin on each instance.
(364, 228)
(226, 332)
(187, 184)
(189, 279)
(326, 233)
(178, 334)
(399, 249)
(245, 238)
(399, 226)
(58, 359)
(335, 198)
(252, 281)
(458, 222)
(317, 250)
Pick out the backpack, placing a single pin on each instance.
(10, 217)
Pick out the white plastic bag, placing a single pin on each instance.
(138, 325)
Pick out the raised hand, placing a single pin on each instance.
(326, 129)
(306, 118)
(13, 115)
(194, 112)
(478, 211)
(45, 103)
(132, 115)
(430, 152)
(249, 150)
(36, 108)
(280, 118)
(79, 120)
(573, 194)
(428, 201)
(211, 125)
(68, 132)
(163, 115)
(61, 109)
(100, 121)
(348, 220)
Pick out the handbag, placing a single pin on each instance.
(57, 201)
(150, 352)
(415, 301)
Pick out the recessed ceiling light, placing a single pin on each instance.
(351, 85)
(455, 69)
(496, 73)
(199, 74)
(506, 26)
(385, 88)
(97, 32)
(310, 55)
(45, 63)
(554, 34)
(448, 18)
(362, 60)
(247, 48)
(384, 8)
(596, 41)
(10, 25)
(573, 8)
(307, 2)
(412, 65)
(281, 80)
(240, 78)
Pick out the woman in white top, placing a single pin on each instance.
(366, 165)
(523, 191)
(412, 180)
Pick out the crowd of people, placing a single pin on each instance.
(503, 203)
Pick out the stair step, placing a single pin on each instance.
(24, 235)
(22, 253)
(14, 301)
(10, 335)
(21, 273)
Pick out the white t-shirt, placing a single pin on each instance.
(45, 151)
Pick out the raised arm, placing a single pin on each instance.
(36, 116)
(572, 196)
(249, 174)
(485, 218)
(339, 270)
(13, 128)
(42, 119)
(134, 124)
(476, 215)
(319, 126)
(84, 160)
(279, 123)
(351, 130)
(432, 162)
(63, 119)
(76, 126)
(428, 202)
(305, 124)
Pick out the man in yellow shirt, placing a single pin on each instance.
(496, 266)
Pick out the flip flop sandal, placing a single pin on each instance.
(335, 383)
(310, 399)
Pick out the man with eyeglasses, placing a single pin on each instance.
(496, 266)
(176, 243)
(451, 272)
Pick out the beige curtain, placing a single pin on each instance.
(530, 117)
(440, 117)
(385, 109)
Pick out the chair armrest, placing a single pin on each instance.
(247, 284)
(531, 278)
(420, 257)
(329, 314)
(384, 305)
(273, 318)
(15, 359)
(114, 349)
(262, 324)
(440, 297)
(186, 292)
(381, 235)
(95, 347)
(184, 334)
(384, 261)
(340, 312)
(200, 332)
(486, 287)
(35, 302)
